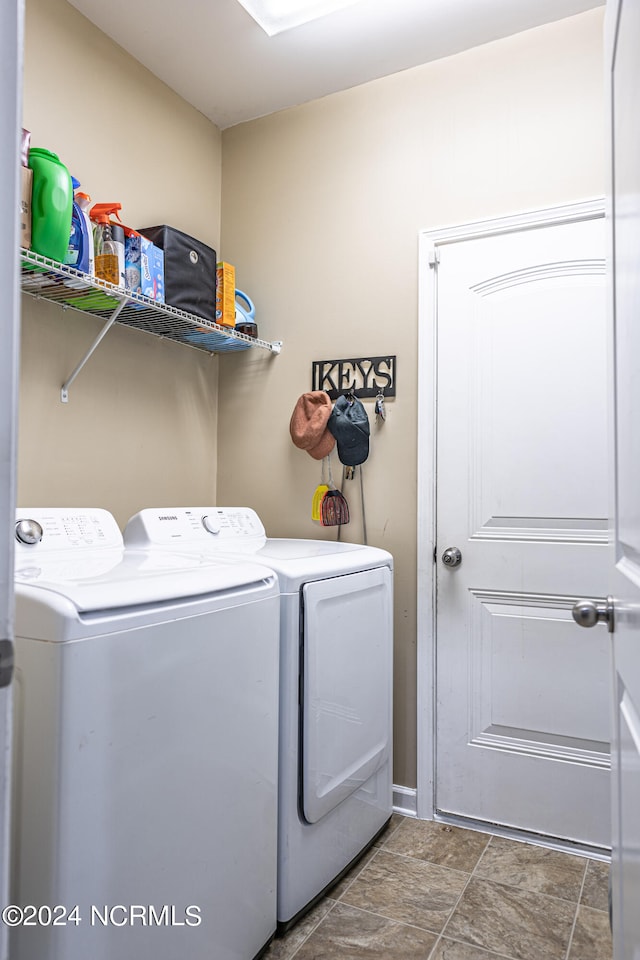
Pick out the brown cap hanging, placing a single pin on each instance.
(308, 426)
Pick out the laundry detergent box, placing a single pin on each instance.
(144, 266)
(132, 259)
(153, 272)
(226, 294)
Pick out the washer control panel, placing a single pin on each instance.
(231, 528)
(62, 528)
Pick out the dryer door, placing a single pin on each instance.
(346, 686)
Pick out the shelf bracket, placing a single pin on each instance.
(64, 390)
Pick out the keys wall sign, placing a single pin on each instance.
(364, 377)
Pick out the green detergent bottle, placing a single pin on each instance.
(51, 204)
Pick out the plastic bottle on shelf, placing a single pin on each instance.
(80, 250)
(84, 202)
(108, 238)
(117, 236)
(51, 204)
(245, 315)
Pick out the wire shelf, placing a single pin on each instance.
(49, 280)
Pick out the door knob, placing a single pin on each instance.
(587, 613)
(452, 557)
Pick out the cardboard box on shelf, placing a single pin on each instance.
(144, 266)
(153, 272)
(226, 294)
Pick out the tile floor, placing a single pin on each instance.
(427, 891)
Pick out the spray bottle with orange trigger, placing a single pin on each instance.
(108, 239)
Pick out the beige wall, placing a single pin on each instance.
(140, 426)
(322, 205)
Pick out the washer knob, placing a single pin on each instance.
(28, 531)
(211, 524)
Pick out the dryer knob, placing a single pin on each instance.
(28, 531)
(211, 524)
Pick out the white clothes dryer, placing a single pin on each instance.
(146, 697)
(336, 663)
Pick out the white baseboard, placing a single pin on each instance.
(405, 801)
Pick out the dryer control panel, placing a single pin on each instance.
(232, 528)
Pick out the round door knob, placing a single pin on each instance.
(587, 613)
(28, 531)
(452, 557)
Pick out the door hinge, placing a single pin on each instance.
(434, 257)
(6, 662)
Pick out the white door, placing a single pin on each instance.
(11, 34)
(622, 32)
(523, 694)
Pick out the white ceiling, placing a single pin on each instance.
(217, 58)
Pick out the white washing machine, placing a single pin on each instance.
(336, 654)
(146, 698)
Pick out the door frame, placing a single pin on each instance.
(429, 244)
(11, 57)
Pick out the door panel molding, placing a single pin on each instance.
(430, 243)
(556, 529)
(501, 716)
(506, 406)
(597, 755)
(551, 271)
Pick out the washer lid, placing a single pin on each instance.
(119, 578)
(277, 549)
